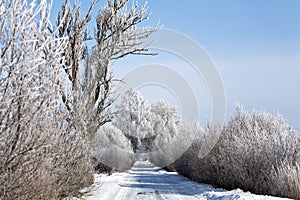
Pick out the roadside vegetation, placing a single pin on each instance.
(256, 152)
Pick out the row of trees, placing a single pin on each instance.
(55, 93)
(154, 129)
(139, 127)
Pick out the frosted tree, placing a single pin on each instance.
(155, 123)
(165, 121)
(90, 93)
(173, 136)
(134, 118)
(110, 149)
(30, 58)
(36, 143)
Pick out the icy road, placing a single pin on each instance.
(145, 181)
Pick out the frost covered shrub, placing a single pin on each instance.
(71, 165)
(39, 158)
(285, 180)
(256, 152)
(26, 98)
(174, 145)
(111, 149)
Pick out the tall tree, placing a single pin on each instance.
(89, 99)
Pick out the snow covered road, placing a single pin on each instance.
(145, 181)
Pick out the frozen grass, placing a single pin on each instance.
(256, 152)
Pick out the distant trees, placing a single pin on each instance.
(153, 124)
(165, 123)
(135, 116)
(154, 128)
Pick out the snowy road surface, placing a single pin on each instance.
(145, 181)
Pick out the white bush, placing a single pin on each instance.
(111, 148)
(254, 150)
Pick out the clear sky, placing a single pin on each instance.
(255, 45)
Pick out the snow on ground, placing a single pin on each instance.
(145, 181)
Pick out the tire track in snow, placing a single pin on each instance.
(145, 181)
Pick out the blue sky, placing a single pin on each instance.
(255, 45)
